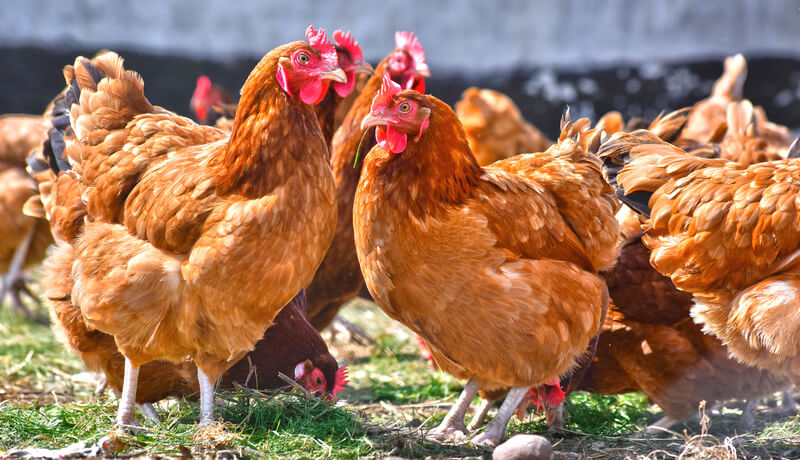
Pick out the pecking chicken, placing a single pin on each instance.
(724, 232)
(23, 239)
(495, 127)
(495, 267)
(339, 277)
(194, 240)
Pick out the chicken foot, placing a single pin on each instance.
(206, 397)
(495, 430)
(14, 281)
(661, 425)
(149, 411)
(747, 419)
(453, 423)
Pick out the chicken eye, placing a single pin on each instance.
(404, 107)
(303, 58)
(319, 381)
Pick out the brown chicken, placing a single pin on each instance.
(213, 105)
(194, 239)
(339, 277)
(495, 127)
(23, 239)
(495, 267)
(724, 232)
(707, 115)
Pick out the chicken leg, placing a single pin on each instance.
(480, 414)
(126, 413)
(14, 282)
(453, 422)
(495, 430)
(206, 398)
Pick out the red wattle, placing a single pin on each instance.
(344, 89)
(314, 91)
(390, 139)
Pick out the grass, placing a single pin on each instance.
(394, 397)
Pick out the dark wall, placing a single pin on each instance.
(32, 76)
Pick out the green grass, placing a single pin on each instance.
(46, 400)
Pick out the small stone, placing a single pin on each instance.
(414, 423)
(524, 447)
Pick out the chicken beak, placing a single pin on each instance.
(337, 75)
(364, 67)
(422, 70)
(371, 120)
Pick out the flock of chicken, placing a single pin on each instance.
(187, 255)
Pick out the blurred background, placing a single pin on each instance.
(637, 57)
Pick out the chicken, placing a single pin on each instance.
(214, 106)
(707, 115)
(23, 240)
(743, 142)
(211, 102)
(650, 344)
(495, 267)
(194, 240)
(339, 277)
(724, 232)
(495, 127)
(291, 346)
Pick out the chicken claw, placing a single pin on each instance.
(495, 430)
(453, 424)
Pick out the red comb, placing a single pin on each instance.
(388, 90)
(203, 84)
(346, 41)
(340, 381)
(319, 40)
(409, 43)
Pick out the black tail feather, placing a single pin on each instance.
(615, 155)
(54, 146)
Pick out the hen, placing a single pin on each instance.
(23, 239)
(495, 127)
(339, 277)
(724, 232)
(495, 267)
(214, 106)
(194, 239)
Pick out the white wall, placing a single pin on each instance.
(467, 34)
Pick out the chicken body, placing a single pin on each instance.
(650, 344)
(195, 241)
(467, 257)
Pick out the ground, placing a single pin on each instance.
(394, 397)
